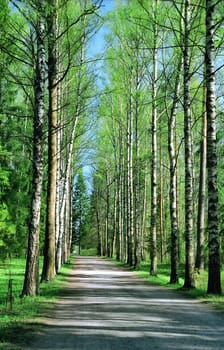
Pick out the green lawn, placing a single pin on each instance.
(16, 324)
(199, 292)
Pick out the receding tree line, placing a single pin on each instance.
(154, 122)
(159, 118)
(43, 56)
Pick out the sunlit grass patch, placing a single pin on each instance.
(201, 280)
(163, 279)
(16, 321)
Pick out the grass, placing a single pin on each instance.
(17, 325)
(163, 277)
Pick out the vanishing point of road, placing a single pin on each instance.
(106, 307)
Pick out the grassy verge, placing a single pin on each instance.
(17, 321)
(163, 277)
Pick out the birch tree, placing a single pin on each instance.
(49, 271)
(173, 177)
(153, 246)
(173, 157)
(31, 281)
(189, 247)
(214, 280)
(201, 217)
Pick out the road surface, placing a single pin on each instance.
(106, 307)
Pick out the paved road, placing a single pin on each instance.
(106, 307)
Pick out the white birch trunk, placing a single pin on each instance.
(214, 279)
(153, 233)
(49, 271)
(31, 280)
(189, 245)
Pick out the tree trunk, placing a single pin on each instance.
(144, 212)
(214, 280)
(130, 189)
(153, 240)
(120, 184)
(200, 259)
(173, 178)
(189, 245)
(31, 281)
(66, 217)
(48, 272)
(99, 236)
(161, 202)
(137, 167)
(115, 219)
(60, 170)
(65, 190)
(106, 248)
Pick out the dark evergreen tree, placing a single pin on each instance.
(80, 207)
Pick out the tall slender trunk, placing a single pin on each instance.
(65, 190)
(70, 215)
(115, 220)
(161, 202)
(49, 272)
(173, 178)
(189, 245)
(144, 211)
(130, 188)
(137, 197)
(31, 280)
(98, 225)
(200, 258)
(121, 196)
(106, 248)
(214, 279)
(153, 240)
(62, 210)
(125, 206)
(60, 160)
(120, 218)
(66, 224)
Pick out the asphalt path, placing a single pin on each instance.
(106, 307)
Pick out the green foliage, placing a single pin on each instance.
(15, 132)
(7, 226)
(14, 183)
(4, 170)
(4, 17)
(89, 252)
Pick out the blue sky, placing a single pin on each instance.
(107, 5)
(97, 46)
(97, 42)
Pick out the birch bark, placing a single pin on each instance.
(31, 280)
(153, 240)
(189, 244)
(214, 279)
(49, 271)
